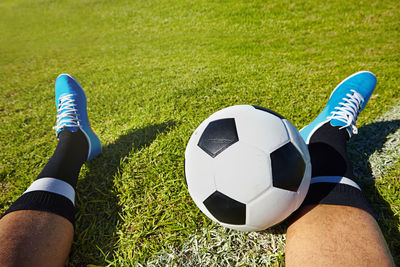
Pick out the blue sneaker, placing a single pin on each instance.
(345, 104)
(71, 112)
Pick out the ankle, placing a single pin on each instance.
(66, 162)
(328, 152)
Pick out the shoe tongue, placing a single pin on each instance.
(335, 122)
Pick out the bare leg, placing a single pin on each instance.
(34, 238)
(332, 235)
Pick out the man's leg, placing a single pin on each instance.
(334, 235)
(34, 238)
(37, 229)
(335, 225)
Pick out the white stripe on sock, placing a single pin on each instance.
(334, 179)
(53, 185)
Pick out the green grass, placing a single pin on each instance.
(153, 70)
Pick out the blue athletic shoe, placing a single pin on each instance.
(345, 104)
(71, 112)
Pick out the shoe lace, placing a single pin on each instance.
(67, 115)
(349, 110)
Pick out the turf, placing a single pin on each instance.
(153, 70)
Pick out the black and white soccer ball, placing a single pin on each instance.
(247, 167)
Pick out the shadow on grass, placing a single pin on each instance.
(98, 210)
(371, 138)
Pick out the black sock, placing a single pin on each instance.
(328, 152)
(68, 158)
(329, 158)
(54, 189)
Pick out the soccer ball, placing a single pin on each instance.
(247, 167)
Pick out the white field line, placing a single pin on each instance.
(220, 246)
(381, 161)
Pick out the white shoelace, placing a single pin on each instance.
(349, 110)
(67, 115)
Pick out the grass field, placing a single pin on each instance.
(152, 71)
